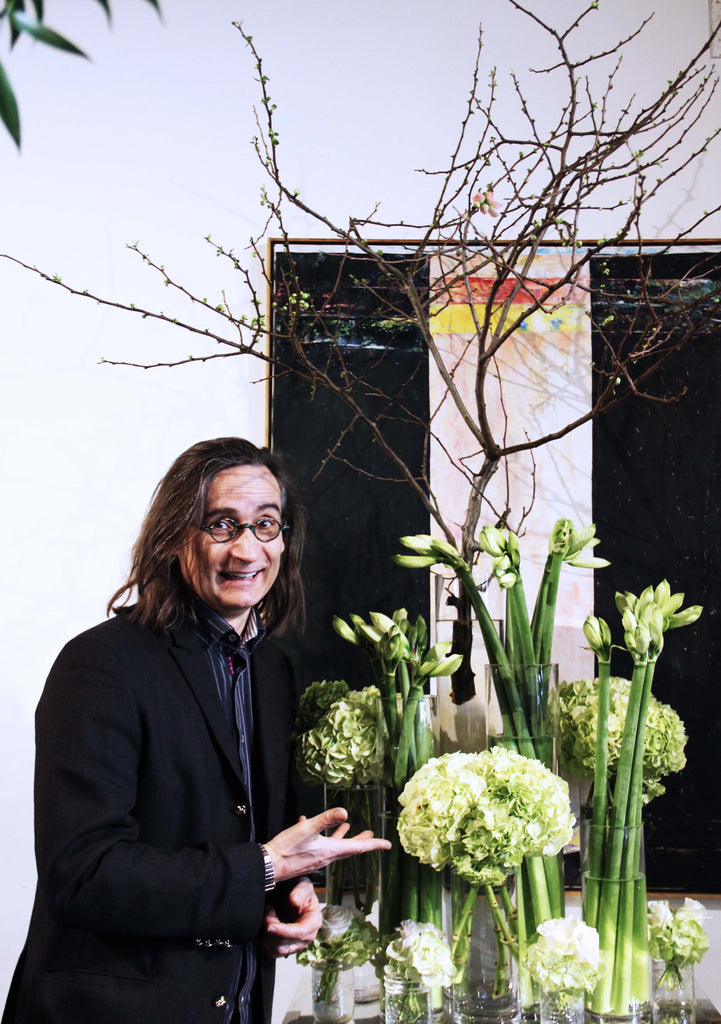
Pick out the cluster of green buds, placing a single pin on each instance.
(391, 641)
(646, 618)
(596, 631)
(505, 552)
(429, 551)
(571, 544)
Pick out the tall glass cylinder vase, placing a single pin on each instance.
(485, 987)
(613, 881)
(354, 881)
(522, 715)
(674, 995)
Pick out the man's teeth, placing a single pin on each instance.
(242, 575)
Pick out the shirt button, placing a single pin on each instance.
(240, 810)
(220, 1001)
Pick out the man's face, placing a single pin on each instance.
(233, 577)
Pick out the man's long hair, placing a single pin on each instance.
(163, 599)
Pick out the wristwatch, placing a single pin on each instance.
(269, 873)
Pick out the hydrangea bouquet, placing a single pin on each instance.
(664, 735)
(520, 666)
(345, 938)
(403, 663)
(337, 741)
(565, 956)
(676, 937)
(482, 814)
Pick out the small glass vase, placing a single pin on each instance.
(406, 1002)
(674, 995)
(332, 992)
(485, 989)
(565, 1007)
(613, 887)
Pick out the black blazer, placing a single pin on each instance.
(142, 840)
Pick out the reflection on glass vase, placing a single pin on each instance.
(485, 988)
(674, 996)
(522, 716)
(406, 1002)
(613, 880)
(332, 992)
(354, 881)
(565, 1007)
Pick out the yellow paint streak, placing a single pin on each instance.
(458, 319)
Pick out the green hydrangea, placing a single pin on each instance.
(419, 952)
(565, 957)
(483, 813)
(664, 736)
(344, 937)
(342, 749)
(677, 936)
(316, 700)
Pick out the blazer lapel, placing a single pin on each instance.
(192, 660)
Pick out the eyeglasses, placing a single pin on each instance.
(264, 529)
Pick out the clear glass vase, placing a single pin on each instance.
(566, 1007)
(674, 995)
(332, 992)
(521, 715)
(354, 881)
(406, 1002)
(485, 989)
(613, 884)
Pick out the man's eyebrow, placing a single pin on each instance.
(232, 513)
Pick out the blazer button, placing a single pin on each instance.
(220, 1001)
(240, 810)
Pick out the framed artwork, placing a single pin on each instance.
(645, 472)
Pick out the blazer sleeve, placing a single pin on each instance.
(134, 830)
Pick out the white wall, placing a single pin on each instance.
(149, 142)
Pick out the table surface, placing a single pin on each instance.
(300, 1011)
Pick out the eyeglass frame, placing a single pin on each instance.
(239, 527)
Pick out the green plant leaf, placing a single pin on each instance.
(106, 7)
(42, 33)
(9, 108)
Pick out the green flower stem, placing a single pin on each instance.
(600, 794)
(431, 895)
(618, 887)
(462, 921)
(404, 680)
(405, 756)
(328, 982)
(544, 612)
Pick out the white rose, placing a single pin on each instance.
(336, 921)
(659, 914)
(692, 910)
(407, 934)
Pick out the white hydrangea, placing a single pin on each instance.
(483, 813)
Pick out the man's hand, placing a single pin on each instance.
(281, 938)
(301, 849)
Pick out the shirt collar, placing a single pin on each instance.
(213, 629)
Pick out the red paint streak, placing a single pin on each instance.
(480, 288)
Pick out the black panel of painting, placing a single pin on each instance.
(357, 511)
(657, 507)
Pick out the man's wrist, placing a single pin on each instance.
(269, 872)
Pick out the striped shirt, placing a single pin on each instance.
(229, 660)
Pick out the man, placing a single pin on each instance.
(163, 741)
